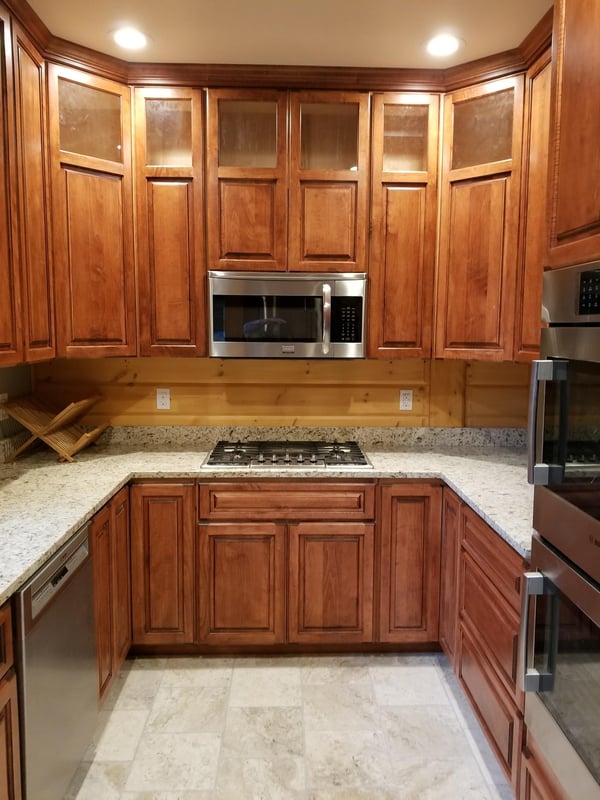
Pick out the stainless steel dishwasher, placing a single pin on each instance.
(58, 674)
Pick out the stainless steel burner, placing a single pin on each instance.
(287, 455)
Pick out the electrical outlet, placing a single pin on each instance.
(406, 399)
(163, 399)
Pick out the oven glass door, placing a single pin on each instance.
(564, 424)
(562, 656)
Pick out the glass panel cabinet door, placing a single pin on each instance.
(90, 121)
(483, 129)
(405, 137)
(169, 132)
(247, 133)
(329, 136)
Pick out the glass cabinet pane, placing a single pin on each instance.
(169, 133)
(405, 131)
(247, 133)
(329, 135)
(483, 129)
(90, 121)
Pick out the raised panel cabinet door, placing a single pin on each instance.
(329, 162)
(573, 193)
(410, 563)
(449, 572)
(11, 345)
(479, 221)
(101, 544)
(170, 221)
(330, 589)
(92, 214)
(403, 224)
(162, 563)
(10, 770)
(121, 577)
(241, 574)
(533, 233)
(34, 200)
(537, 781)
(6, 638)
(246, 179)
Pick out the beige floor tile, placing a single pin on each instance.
(185, 709)
(174, 762)
(265, 686)
(264, 732)
(121, 735)
(193, 795)
(199, 671)
(336, 669)
(432, 779)
(416, 732)
(98, 781)
(340, 707)
(401, 684)
(280, 778)
(347, 760)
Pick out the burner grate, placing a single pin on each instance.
(287, 454)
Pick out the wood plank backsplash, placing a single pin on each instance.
(305, 393)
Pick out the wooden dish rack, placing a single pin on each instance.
(60, 431)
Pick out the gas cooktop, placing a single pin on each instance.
(287, 455)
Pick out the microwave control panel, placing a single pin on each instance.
(589, 292)
(346, 319)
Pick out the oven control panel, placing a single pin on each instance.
(589, 292)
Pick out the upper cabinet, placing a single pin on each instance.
(574, 190)
(11, 349)
(287, 180)
(37, 308)
(479, 221)
(170, 221)
(403, 224)
(92, 213)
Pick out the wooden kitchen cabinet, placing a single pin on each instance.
(92, 214)
(449, 572)
(488, 630)
(11, 346)
(37, 279)
(241, 580)
(574, 178)
(479, 221)
(404, 167)
(409, 562)
(330, 592)
(170, 221)
(162, 563)
(10, 769)
(279, 202)
(537, 781)
(109, 535)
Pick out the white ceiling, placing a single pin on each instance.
(353, 33)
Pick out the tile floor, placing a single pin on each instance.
(358, 727)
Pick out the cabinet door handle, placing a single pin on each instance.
(535, 584)
(326, 318)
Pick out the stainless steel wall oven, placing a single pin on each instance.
(560, 632)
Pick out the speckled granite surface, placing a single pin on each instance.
(42, 502)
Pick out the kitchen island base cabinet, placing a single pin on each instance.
(162, 563)
(241, 571)
(331, 582)
(410, 563)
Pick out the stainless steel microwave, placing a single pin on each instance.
(286, 315)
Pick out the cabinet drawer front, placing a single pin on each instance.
(486, 611)
(500, 563)
(280, 500)
(6, 639)
(500, 718)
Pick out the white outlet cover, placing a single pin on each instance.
(406, 399)
(163, 399)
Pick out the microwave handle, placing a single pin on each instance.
(536, 584)
(326, 318)
(542, 371)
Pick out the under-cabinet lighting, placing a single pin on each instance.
(130, 38)
(444, 44)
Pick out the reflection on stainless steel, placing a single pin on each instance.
(287, 455)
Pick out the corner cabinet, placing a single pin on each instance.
(163, 563)
(479, 221)
(170, 221)
(573, 198)
(287, 180)
(404, 159)
(92, 212)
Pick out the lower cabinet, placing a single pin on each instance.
(10, 769)
(109, 535)
(163, 521)
(537, 782)
(409, 563)
(449, 568)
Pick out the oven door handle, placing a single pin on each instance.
(326, 318)
(535, 584)
(544, 370)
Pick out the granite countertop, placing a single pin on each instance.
(43, 502)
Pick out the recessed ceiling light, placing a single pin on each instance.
(443, 45)
(130, 38)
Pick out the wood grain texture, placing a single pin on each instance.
(313, 393)
(101, 546)
(10, 770)
(449, 572)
